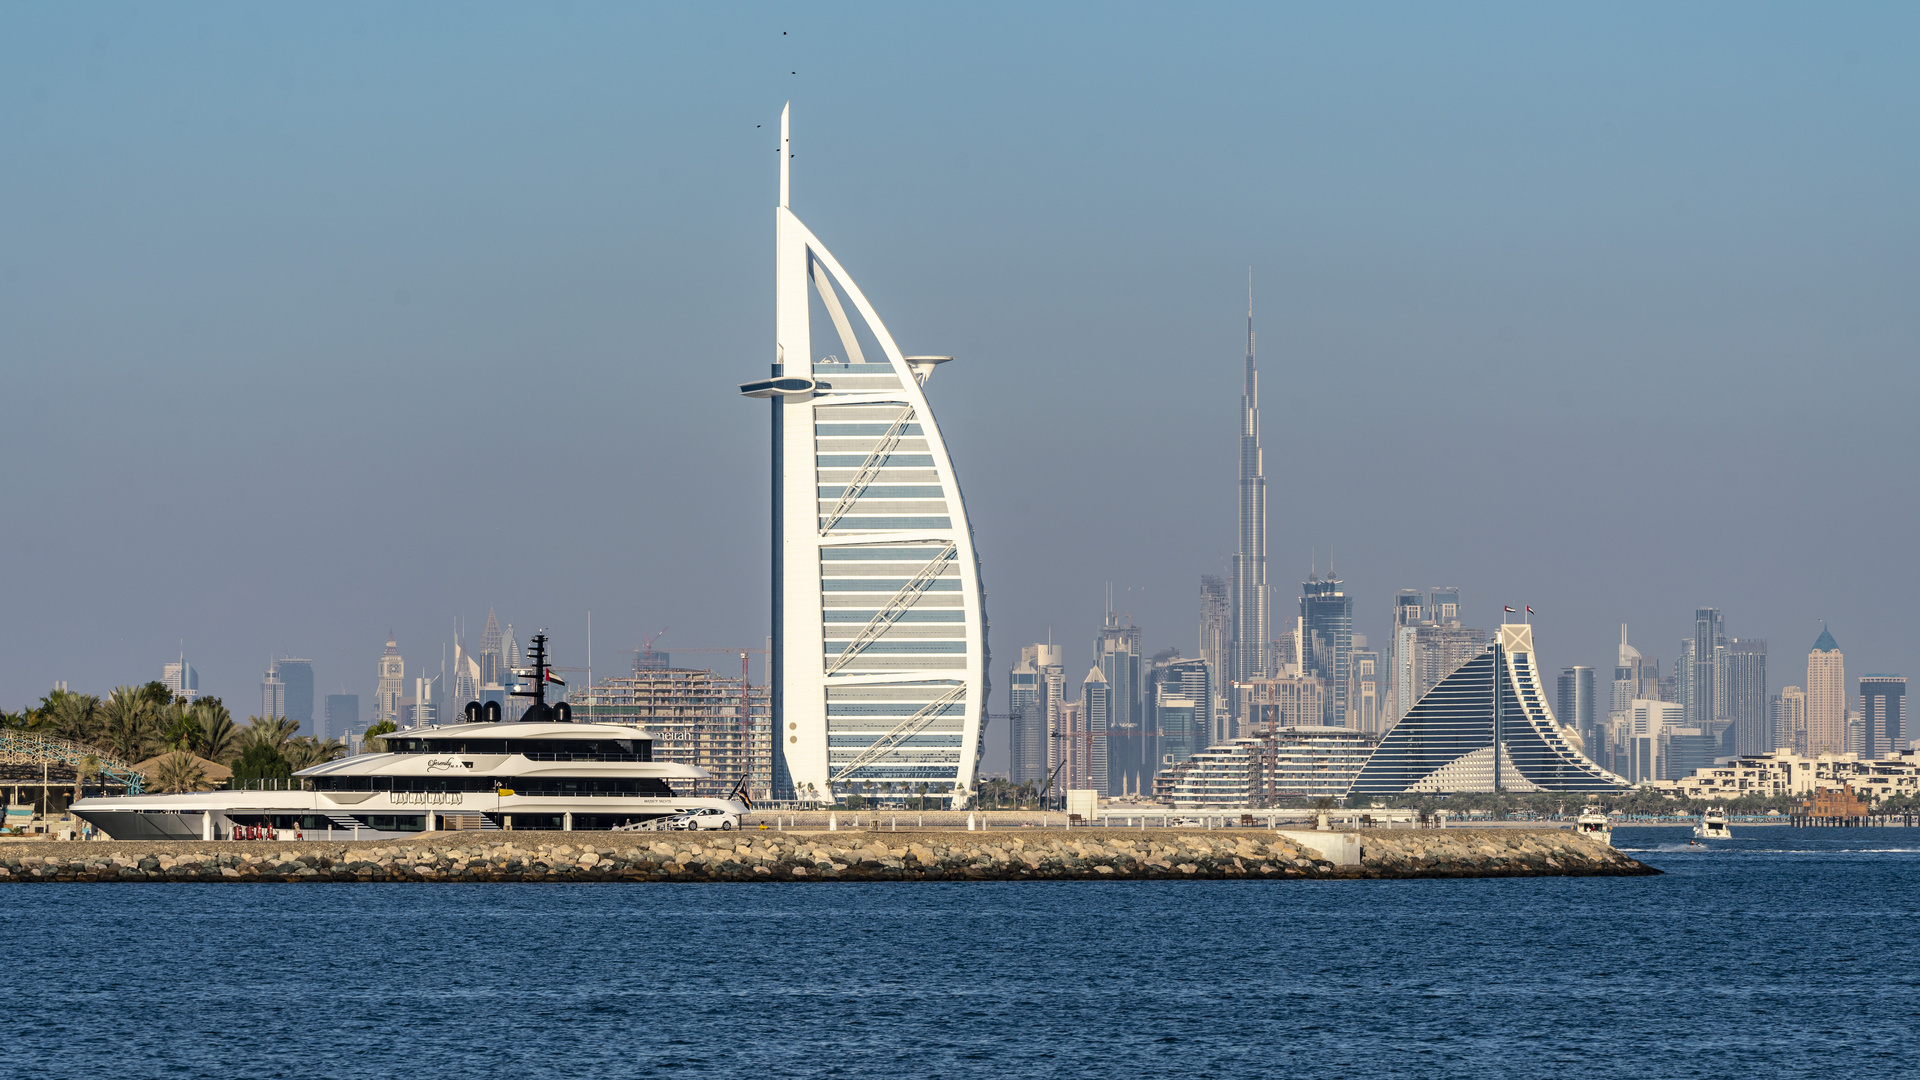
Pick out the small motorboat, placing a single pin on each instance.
(1713, 826)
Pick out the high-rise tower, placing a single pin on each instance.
(1128, 742)
(1883, 705)
(1326, 626)
(879, 661)
(1249, 598)
(392, 685)
(1826, 696)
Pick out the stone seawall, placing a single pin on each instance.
(845, 855)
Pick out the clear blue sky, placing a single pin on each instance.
(320, 321)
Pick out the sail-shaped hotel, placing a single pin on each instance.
(879, 660)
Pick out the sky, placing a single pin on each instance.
(320, 323)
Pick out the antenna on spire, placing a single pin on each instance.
(1249, 314)
(786, 152)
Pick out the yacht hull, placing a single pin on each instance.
(216, 815)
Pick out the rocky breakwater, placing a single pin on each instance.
(859, 855)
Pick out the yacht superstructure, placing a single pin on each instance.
(1593, 823)
(535, 773)
(1713, 826)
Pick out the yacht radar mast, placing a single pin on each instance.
(540, 712)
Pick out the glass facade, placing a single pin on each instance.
(1326, 621)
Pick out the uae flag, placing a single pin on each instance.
(551, 677)
(1509, 611)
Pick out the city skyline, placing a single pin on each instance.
(1438, 282)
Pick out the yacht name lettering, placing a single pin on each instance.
(429, 798)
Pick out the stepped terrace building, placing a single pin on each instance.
(879, 661)
(1485, 728)
(1293, 763)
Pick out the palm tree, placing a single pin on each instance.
(308, 751)
(69, 715)
(180, 772)
(126, 725)
(179, 728)
(273, 732)
(374, 743)
(89, 767)
(217, 740)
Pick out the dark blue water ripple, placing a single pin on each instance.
(1782, 953)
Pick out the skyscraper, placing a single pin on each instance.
(1704, 703)
(493, 657)
(1682, 679)
(1249, 598)
(879, 662)
(1181, 717)
(1326, 625)
(1576, 703)
(1743, 682)
(1366, 699)
(273, 692)
(1216, 633)
(1826, 697)
(297, 676)
(1883, 706)
(1032, 706)
(1428, 645)
(465, 675)
(180, 678)
(1790, 720)
(424, 702)
(392, 686)
(1130, 762)
(343, 716)
(1096, 700)
(1626, 676)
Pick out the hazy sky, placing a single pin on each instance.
(321, 321)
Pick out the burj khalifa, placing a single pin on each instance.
(1248, 596)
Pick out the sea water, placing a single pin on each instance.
(1781, 953)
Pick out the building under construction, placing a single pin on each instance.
(696, 717)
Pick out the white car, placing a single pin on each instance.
(707, 817)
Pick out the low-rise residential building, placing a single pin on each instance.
(1784, 772)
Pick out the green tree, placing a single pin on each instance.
(272, 731)
(127, 726)
(180, 772)
(375, 743)
(217, 739)
(88, 768)
(159, 694)
(260, 761)
(179, 727)
(68, 715)
(307, 751)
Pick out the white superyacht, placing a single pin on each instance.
(540, 772)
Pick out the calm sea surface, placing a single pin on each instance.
(1782, 953)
